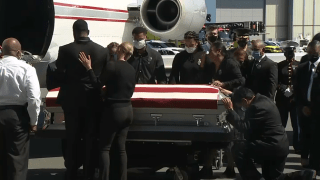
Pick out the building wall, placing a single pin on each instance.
(237, 11)
(317, 16)
(240, 11)
(306, 18)
(276, 20)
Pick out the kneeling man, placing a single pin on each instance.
(266, 140)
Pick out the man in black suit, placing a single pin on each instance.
(307, 90)
(79, 99)
(305, 58)
(266, 140)
(262, 72)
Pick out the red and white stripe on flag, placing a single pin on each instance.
(164, 96)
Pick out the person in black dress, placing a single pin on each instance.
(285, 94)
(220, 70)
(119, 80)
(186, 64)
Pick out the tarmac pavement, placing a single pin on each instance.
(46, 162)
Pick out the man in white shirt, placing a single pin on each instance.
(19, 110)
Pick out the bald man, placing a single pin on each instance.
(19, 110)
(262, 72)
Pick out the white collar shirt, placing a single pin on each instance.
(311, 77)
(19, 85)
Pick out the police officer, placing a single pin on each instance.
(147, 62)
(285, 94)
(242, 38)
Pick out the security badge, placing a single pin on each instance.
(199, 62)
(220, 72)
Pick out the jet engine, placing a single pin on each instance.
(171, 19)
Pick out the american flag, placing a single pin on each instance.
(164, 96)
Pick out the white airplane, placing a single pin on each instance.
(43, 25)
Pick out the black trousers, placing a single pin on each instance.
(315, 145)
(246, 156)
(114, 126)
(14, 142)
(81, 137)
(306, 126)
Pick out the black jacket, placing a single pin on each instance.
(54, 78)
(149, 67)
(77, 89)
(263, 128)
(229, 73)
(186, 68)
(262, 78)
(301, 86)
(284, 80)
(304, 59)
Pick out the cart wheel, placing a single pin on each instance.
(184, 175)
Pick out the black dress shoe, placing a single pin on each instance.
(301, 175)
(206, 173)
(229, 173)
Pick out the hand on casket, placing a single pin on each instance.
(217, 83)
(224, 91)
(227, 103)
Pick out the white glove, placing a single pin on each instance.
(288, 92)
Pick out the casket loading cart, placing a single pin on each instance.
(173, 125)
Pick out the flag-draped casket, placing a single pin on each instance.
(170, 112)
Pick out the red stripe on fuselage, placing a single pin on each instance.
(89, 7)
(91, 19)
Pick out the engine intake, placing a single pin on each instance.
(170, 19)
